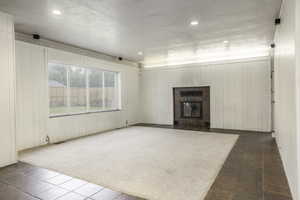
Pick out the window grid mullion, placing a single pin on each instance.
(87, 90)
(103, 91)
(68, 90)
(115, 91)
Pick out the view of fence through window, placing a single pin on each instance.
(74, 89)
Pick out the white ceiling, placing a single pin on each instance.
(159, 28)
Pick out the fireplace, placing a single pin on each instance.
(192, 107)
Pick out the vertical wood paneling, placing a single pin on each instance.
(33, 121)
(245, 99)
(240, 93)
(7, 90)
(285, 67)
(31, 95)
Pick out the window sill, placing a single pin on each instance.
(83, 113)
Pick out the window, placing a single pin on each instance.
(74, 89)
(96, 90)
(58, 89)
(78, 87)
(110, 86)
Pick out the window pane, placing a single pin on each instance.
(95, 90)
(57, 89)
(77, 76)
(70, 87)
(111, 91)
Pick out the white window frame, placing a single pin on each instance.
(118, 92)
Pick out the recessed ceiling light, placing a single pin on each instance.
(56, 12)
(194, 23)
(140, 53)
(225, 41)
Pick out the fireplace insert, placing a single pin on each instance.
(192, 107)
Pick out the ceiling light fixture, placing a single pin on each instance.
(56, 12)
(194, 23)
(225, 41)
(140, 53)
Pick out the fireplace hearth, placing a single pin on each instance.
(192, 107)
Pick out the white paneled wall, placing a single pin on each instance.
(7, 91)
(62, 128)
(34, 123)
(240, 93)
(32, 95)
(297, 48)
(285, 94)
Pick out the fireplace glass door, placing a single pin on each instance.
(191, 109)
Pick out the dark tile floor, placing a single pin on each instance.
(252, 171)
(26, 182)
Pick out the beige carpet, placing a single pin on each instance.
(152, 163)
